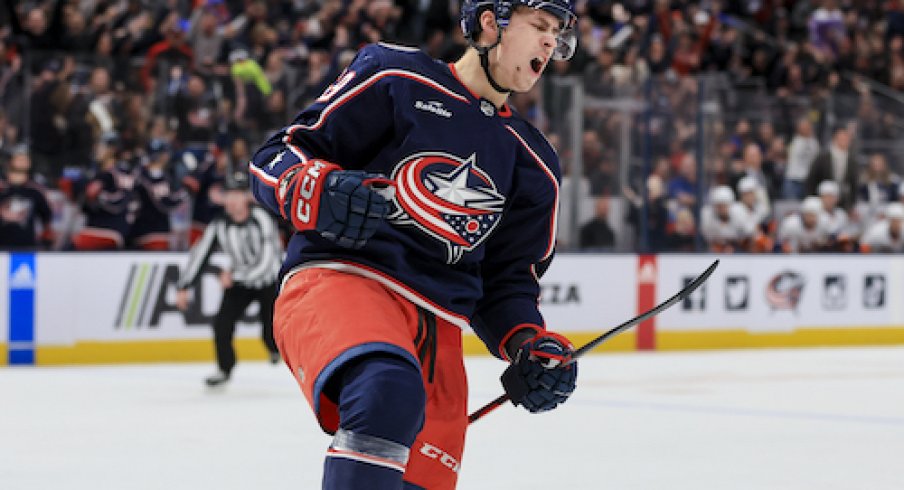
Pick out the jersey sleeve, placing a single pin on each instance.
(347, 125)
(517, 256)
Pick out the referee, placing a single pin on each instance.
(248, 234)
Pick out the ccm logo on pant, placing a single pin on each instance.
(438, 454)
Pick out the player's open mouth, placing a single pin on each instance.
(536, 65)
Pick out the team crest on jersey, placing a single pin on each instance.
(449, 198)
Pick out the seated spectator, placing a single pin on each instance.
(25, 215)
(683, 234)
(881, 184)
(886, 235)
(806, 230)
(596, 234)
(683, 186)
(655, 216)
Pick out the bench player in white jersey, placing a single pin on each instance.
(805, 231)
(887, 235)
(724, 226)
(753, 210)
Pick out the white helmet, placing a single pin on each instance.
(721, 195)
(828, 187)
(894, 210)
(747, 184)
(811, 205)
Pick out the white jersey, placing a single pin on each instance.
(714, 230)
(794, 237)
(751, 218)
(837, 221)
(879, 239)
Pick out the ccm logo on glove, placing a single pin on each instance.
(305, 190)
(344, 206)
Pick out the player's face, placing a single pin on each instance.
(526, 48)
(809, 220)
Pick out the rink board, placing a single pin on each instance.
(112, 308)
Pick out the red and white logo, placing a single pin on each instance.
(449, 198)
(444, 458)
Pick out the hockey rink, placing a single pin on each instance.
(757, 419)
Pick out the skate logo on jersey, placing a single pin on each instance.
(448, 198)
(434, 106)
(438, 454)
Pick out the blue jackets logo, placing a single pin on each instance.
(784, 290)
(448, 198)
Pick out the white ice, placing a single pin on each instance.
(763, 419)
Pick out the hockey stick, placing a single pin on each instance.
(679, 296)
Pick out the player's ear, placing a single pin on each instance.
(488, 25)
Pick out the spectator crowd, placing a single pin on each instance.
(119, 118)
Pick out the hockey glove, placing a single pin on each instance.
(343, 206)
(538, 378)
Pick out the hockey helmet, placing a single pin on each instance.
(747, 184)
(566, 41)
(894, 210)
(828, 187)
(721, 195)
(811, 205)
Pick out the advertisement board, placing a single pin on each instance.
(782, 293)
(123, 297)
(120, 307)
(588, 293)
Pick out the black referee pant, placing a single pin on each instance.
(235, 300)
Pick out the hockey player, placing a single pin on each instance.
(249, 237)
(843, 231)
(423, 205)
(753, 211)
(723, 225)
(886, 235)
(805, 231)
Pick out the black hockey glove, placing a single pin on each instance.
(538, 378)
(343, 206)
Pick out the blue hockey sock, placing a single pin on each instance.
(381, 410)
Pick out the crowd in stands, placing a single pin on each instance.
(119, 118)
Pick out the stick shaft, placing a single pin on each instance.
(679, 296)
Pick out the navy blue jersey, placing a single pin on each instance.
(473, 220)
(22, 208)
(109, 199)
(203, 184)
(157, 197)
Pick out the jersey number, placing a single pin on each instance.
(336, 86)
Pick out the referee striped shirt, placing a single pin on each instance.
(253, 247)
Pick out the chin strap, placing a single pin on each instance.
(484, 53)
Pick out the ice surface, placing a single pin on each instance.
(765, 419)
